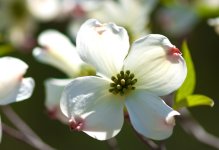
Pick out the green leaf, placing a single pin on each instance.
(206, 11)
(189, 84)
(194, 100)
(5, 49)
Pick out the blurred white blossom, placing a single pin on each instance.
(58, 51)
(48, 10)
(132, 14)
(13, 87)
(44, 10)
(16, 23)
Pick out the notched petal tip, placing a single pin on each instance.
(76, 124)
(174, 55)
(170, 120)
(100, 28)
(174, 51)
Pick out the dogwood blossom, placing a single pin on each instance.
(48, 10)
(44, 10)
(125, 13)
(13, 87)
(132, 78)
(58, 51)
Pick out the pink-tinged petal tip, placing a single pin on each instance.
(174, 51)
(76, 124)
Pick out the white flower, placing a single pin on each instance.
(58, 51)
(47, 10)
(16, 23)
(132, 78)
(44, 10)
(13, 87)
(134, 15)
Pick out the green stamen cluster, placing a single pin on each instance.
(122, 83)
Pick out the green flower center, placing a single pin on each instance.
(122, 83)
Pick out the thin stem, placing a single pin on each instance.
(113, 144)
(192, 127)
(25, 129)
(149, 143)
(16, 134)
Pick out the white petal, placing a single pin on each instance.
(157, 64)
(87, 103)
(119, 11)
(23, 90)
(150, 116)
(54, 89)
(59, 52)
(109, 11)
(12, 70)
(103, 45)
(44, 10)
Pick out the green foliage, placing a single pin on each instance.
(189, 84)
(167, 2)
(5, 49)
(205, 11)
(184, 96)
(194, 100)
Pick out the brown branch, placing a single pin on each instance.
(149, 143)
(25, 129)
(16, 134)
(192, 127)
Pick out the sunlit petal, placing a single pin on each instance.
(157, 64)
(149, 115)
(103, 45)
(91, 108)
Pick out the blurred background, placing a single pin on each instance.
(22, 21)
